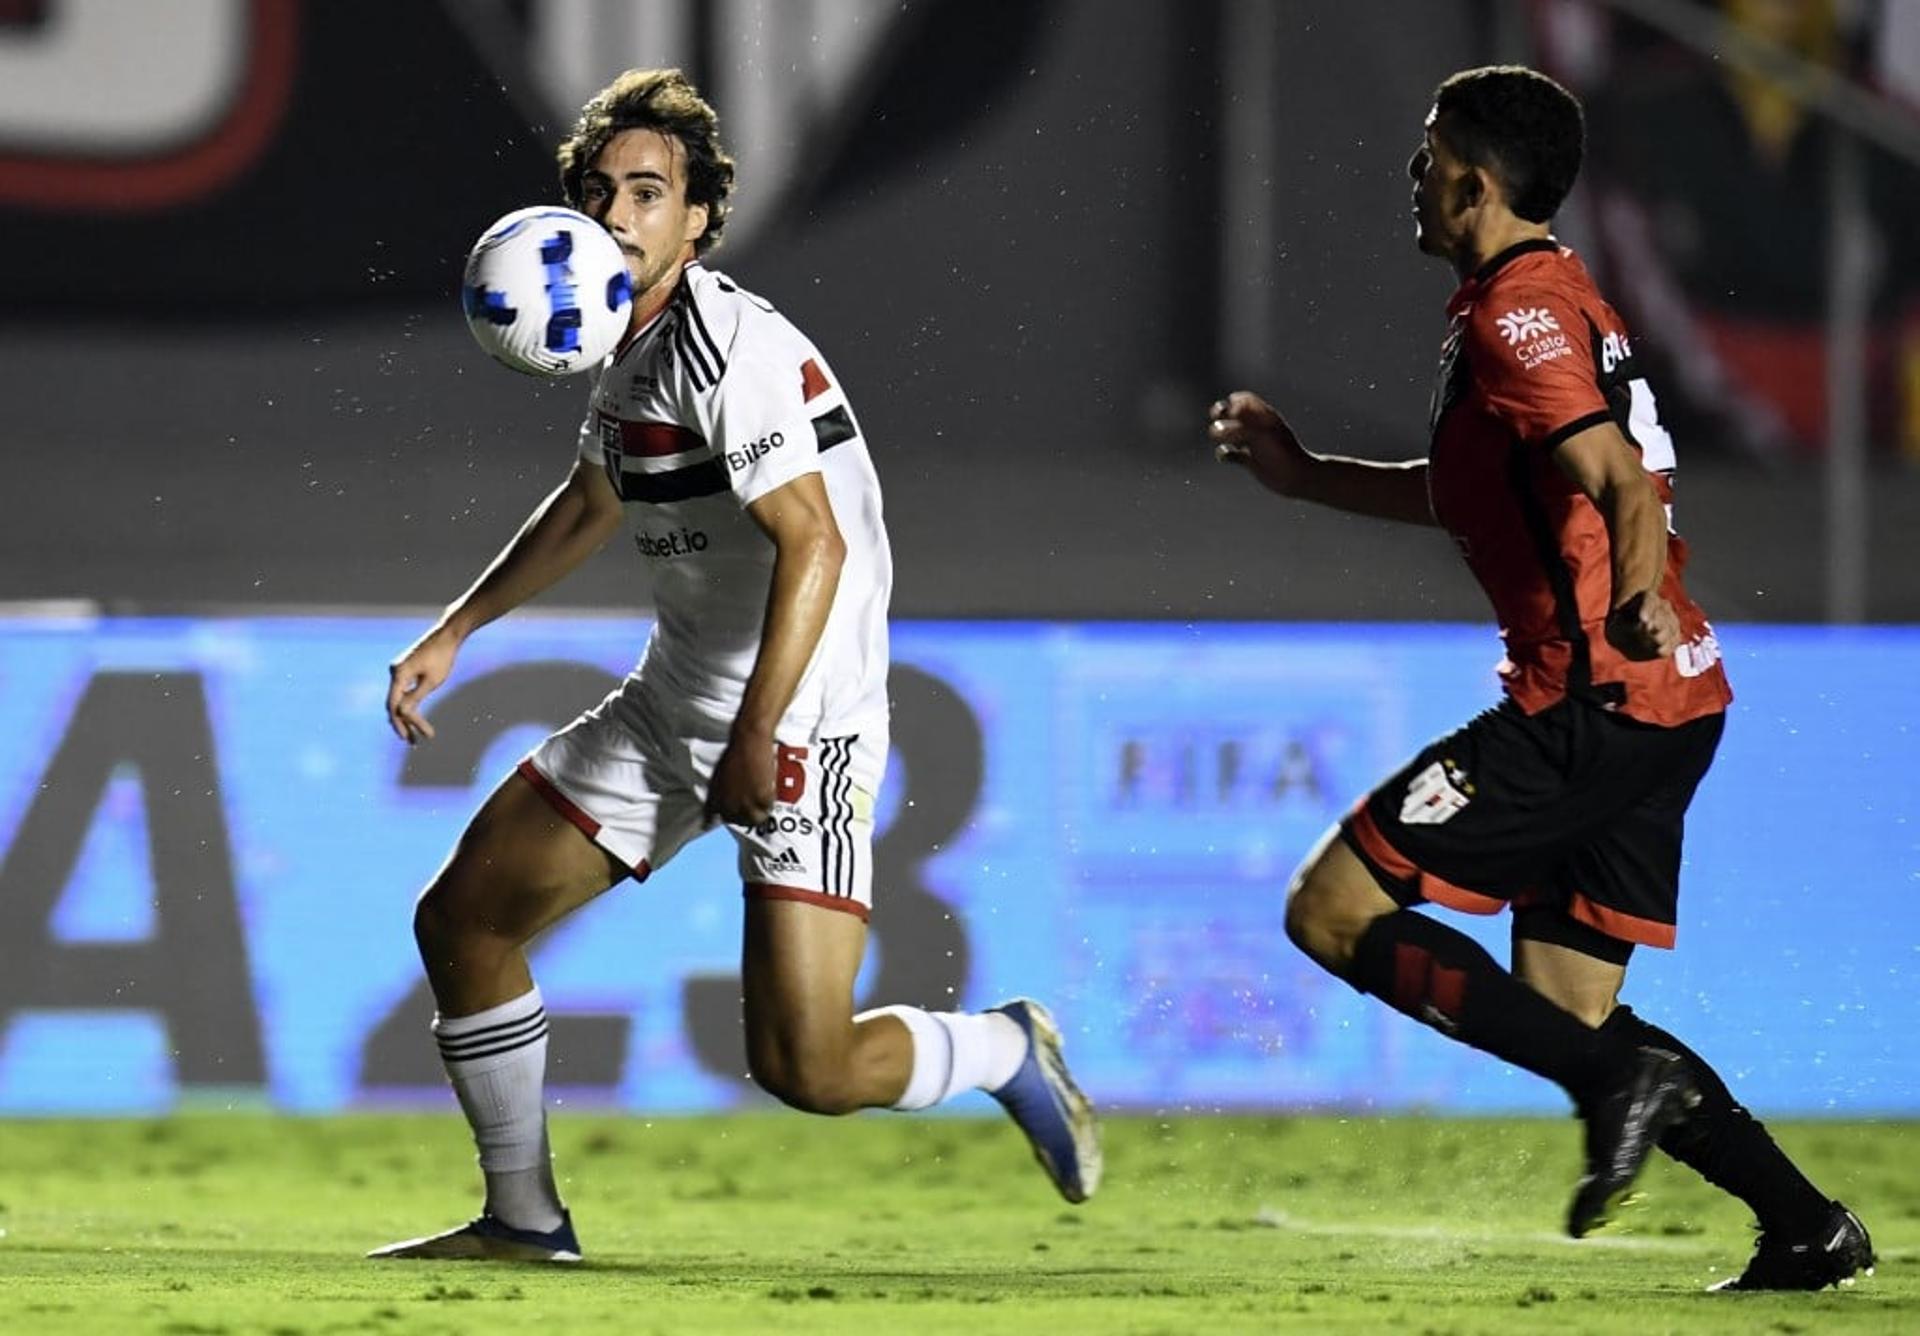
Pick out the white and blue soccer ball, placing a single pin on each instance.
(546, 291)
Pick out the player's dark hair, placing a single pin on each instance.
(1521, 126)
(662, 100)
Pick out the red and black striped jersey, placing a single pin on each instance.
(1534, 355)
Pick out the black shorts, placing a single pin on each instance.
(1573, 807)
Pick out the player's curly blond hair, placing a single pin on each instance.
(666, 101)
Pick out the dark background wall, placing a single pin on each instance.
(1017, 229)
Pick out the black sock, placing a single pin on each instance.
(1728, 1146)
(1443, 978)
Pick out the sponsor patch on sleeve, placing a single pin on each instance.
(1534, 334)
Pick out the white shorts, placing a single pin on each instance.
(632, 773)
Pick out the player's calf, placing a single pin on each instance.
(823, 1083)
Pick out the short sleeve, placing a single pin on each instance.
(1532, 362)
(593, 428)
(756, 417)
(592, 448)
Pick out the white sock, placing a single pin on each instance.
(497, 1061)
(955, 1051)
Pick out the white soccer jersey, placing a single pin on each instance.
(718, 401)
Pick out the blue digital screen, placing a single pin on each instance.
(210, 845)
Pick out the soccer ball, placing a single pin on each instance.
(546, 291)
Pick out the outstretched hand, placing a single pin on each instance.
(414, 676)
(1247, 430)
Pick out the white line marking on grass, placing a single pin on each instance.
(1277, 1219)
(1273, 1218)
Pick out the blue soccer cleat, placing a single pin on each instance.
(1049, 1107)
(488, 1239)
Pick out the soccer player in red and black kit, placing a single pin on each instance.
(1549, 469)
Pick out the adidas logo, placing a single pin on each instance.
(788, 858)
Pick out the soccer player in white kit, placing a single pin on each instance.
(723, 436)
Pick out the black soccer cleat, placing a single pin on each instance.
(1622, 1130)
(1830, 1255)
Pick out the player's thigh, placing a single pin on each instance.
(607, 797)
(519, 866)
(798, 964)
(808, 877)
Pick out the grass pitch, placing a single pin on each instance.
(774, 1222)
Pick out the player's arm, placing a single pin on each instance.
(569, 526)
(1248, 431)
(808, 554)
(1641, 624)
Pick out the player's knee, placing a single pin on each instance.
(1588, 1001)
(1307, 926)
(435, 920)
(456, 913)
(445, 934)
(1592, 1012)
(809, 1083)
(1323, 919)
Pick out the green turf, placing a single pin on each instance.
(885, 1224)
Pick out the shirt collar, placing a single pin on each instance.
(1485, 273)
